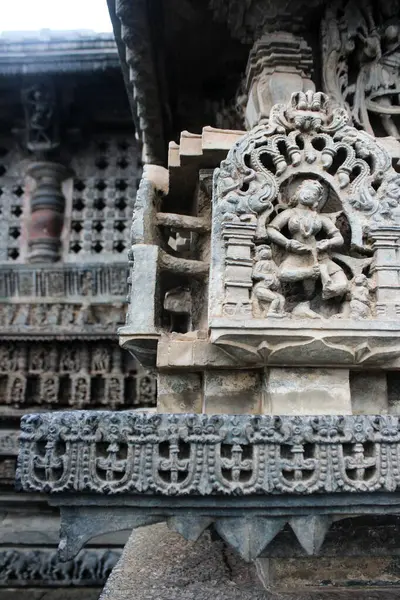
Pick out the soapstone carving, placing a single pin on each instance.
(317, 191)
(361, 56)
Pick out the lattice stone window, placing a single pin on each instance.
(107, 175)
(11, 202)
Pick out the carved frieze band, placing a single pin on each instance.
(42, 568)
(129, 452)
(60, 318)
(71, 374)
(100, 280)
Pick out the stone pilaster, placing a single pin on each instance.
(47, 211)
(387, 270)
(238, 238)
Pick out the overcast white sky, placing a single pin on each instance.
(33, 15)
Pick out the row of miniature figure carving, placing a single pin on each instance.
(60, 357)
(62, 315)
(79, 390)
(68, 281)
(21, 567)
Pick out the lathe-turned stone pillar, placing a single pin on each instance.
(47, 211)
(279, 64)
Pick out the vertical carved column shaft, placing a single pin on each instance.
(238, 281)
(279, 64)
(387, 271)
(47, 211)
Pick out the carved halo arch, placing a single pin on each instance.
(308, 138)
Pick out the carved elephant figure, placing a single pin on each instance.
(60, 571)
(108, 562)
(87, 567)
(25, 565)
(56, 570)
(34, 564)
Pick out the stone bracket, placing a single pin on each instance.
(81, 524)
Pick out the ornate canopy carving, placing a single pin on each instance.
(308, 138)
(306, 216)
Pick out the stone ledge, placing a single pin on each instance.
(207, 455)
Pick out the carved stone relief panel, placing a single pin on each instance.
(361, 62)
(72, 318)
(304, 183)
(126, 452)
(41, 119)
(107, 176)
(23, 567)
(305, 226)
(79, 374)
(64, 281)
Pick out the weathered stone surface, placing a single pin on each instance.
(369, 392)
(316, 391)
(249, 536)
(179, 393)
(158, 564)
(207, 454)
(232, 392)
(55, 594)
(330, 575)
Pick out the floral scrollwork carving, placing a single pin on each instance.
(296, 200)
(126, 452)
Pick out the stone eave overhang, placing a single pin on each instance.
(57, 54)
(249, 476)
(133, 33)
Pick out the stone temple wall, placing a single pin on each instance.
(58, 346)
